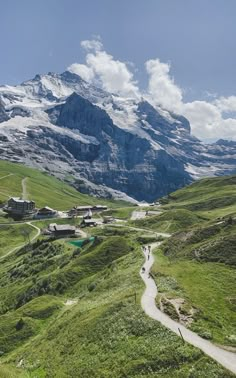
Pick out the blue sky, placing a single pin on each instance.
(195, 37)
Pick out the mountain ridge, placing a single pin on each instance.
(106, 142)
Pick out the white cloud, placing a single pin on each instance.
(82, 70)
(113, 74)
(209, 119)
(161, 87)
(226, 104)
(101, 67)
(93, 44)
(204, 118)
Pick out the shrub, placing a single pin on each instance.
(76, 252)
(92, 286)
(20, 324)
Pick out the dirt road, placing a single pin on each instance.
(223, 357)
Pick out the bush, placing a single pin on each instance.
(76, 252)
(20, 324)
(92, 286)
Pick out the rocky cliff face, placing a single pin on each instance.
(108, 144)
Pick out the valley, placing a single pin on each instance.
(63, 306)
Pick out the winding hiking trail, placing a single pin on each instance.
(22, 245)
(24, 188)
(10, 174)
(223, 357)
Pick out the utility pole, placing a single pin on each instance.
(181, 336)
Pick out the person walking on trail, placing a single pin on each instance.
(149, 248)
(143, 269)
(148, 256)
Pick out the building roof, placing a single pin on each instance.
(82, 207)
(46, 208)
(61, 227)
(90, 220)
(20, 200)
(99, 207)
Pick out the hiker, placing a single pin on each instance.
(148, 256)
(149, 248)
(143, 269)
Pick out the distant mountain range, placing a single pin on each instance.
(102, 143)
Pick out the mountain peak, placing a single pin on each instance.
(62, 123)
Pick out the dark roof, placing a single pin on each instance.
(46, 208)
(61, 227)
(82, 207)
(20, 200)
(89, 220)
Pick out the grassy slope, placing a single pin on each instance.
(121, 213)
(197, 262)
(210, 197)
(170, 221)
(195, 205)
(11, 236)
(206, 287)
(43, 189)
(104, 334)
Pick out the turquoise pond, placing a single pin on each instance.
(80, 242)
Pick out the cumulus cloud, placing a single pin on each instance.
(113, 75)
(82, 70)
(209, 119)
(93, 44)
(226, 104)
(161, 87)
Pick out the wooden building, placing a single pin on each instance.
(88, 223)
(61, 230)
(46, 212)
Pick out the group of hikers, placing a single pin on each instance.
(146, 250)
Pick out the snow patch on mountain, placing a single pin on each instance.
(198, 172)
(110, 144)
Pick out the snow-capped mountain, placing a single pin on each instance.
(106, 144)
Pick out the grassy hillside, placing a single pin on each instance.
(170, 221)
(211, 197)
(43, 188)
(75, 312)
(196, 265)
(12, 236)
(68, 312)
(208, 291)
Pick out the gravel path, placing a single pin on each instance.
(24, 189)
(223, 357)
(10, 174)
(22, 245)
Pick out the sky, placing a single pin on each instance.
(179, 54)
